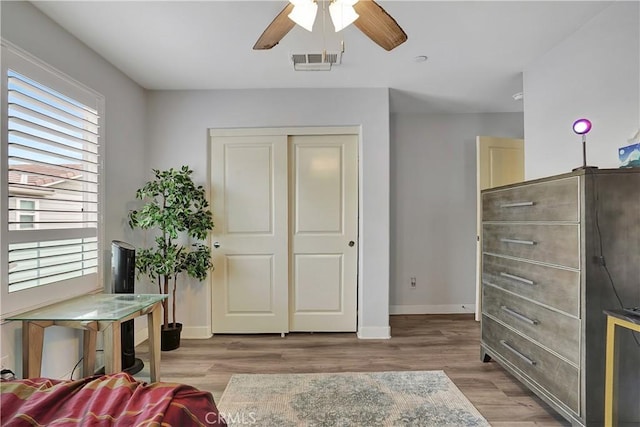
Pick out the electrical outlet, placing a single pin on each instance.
(413, 282)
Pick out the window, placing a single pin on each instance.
(51, 157)
(26, 214)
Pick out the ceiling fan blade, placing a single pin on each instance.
(278, 28)
(378, 25)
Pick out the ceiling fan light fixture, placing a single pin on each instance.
(342, 13)
(304, 13)
(370, 18)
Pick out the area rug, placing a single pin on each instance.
(408, 398)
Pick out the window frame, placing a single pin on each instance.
(22, 62)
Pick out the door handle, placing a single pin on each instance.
(351, 243)
(216, 245)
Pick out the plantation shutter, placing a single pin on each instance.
(53, 185)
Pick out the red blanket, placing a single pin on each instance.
(109, 400)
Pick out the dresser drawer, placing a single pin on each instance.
(557, 244)
(554, 330)
(556, 287)
(545, 201)
(553, 374)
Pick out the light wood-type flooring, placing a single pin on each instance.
(419, 343)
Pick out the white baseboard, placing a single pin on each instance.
(432, 309)
(374, 333)
(188, 332)
(196, 332)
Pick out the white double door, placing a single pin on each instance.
(285, 236)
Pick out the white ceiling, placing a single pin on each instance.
(477, 49)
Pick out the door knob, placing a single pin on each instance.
(351, 243)
(216, 245)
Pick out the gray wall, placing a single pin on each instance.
(433, 207)
(178, 123)
(594, 73)
(26, 27)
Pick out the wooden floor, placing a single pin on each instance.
(419, 342)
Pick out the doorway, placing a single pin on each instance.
(499, 161)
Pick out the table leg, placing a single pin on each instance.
(153, 323)
(89, 351)
(112, 348)
(609, 374)
(32, 343)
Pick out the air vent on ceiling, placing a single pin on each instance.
(315, 61)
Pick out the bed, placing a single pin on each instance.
(107, 400)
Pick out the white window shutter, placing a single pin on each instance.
(52, 165)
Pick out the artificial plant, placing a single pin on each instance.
(176, 208)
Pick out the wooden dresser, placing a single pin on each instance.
(553, 251)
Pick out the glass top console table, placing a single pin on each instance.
(92, 313)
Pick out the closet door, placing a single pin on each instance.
(323, 194)
(250, 239)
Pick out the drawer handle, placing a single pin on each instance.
(518, 278)
(518, 315)
(517, 353)
(516, 205)
(519, 242)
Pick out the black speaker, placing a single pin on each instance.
(123, 270)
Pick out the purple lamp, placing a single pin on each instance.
(582, 127)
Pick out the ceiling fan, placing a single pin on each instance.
(373, 21)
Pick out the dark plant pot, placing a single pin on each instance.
(170, 337)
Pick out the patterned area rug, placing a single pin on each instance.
(411, 398)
